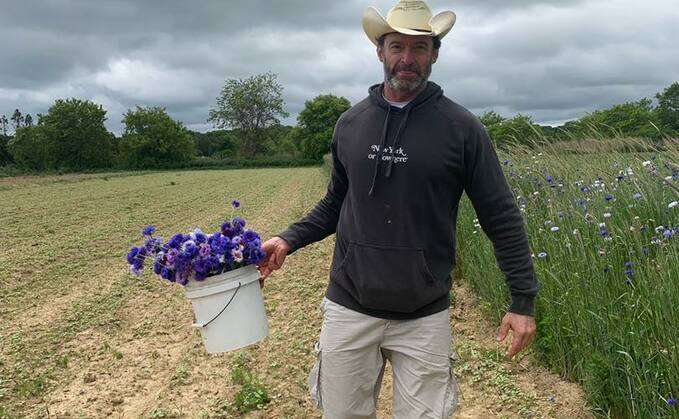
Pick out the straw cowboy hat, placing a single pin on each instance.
(407, 17)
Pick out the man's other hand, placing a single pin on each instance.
(276, 249)
(523, 331)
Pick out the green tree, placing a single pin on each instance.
(668, 108)
(317, 122)
(17, 118)
(32, 148)
(519, 129)
(28, 120)
(152, 139)
(217, 141)
(249, 105)
(630, 119)
(5, 155)
(76, 130)
(490, 118)
(4, 123)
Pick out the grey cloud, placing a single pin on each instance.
(552, 60)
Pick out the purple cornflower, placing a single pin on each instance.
(602, 230)
(235, 203)
(148, 230)
(671, 401)
(628, 268)
(668, 233)
(636, 195)
(204, 250)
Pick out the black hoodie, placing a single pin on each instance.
(396, 182)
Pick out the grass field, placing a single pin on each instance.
(604, 229)
(80, 337)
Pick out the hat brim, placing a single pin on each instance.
(375, 25)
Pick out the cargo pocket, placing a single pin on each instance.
(315, 379)
(389, 278)
(452, 389)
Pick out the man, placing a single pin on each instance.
(401, 160)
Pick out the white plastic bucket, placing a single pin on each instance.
(229, 309)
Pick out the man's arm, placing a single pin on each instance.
(501, 220)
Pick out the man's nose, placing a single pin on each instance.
(408, 57)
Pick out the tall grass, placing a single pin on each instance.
(605, 235)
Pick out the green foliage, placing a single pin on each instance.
(252, 395)
(317, 122)
(491, 118)
(5, 156)
(212, 142)
(630, 119)
(607, 309)
(517, 130)
(33, 148)
(152, 139)
(668, 108)
(76, 129)
(249, 105)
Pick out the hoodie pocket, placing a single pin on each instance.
(389, 278)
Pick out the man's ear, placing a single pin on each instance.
(435, 56)
(380, 53)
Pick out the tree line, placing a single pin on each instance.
(72, 136)
(640, 119)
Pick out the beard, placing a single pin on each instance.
(406, 85)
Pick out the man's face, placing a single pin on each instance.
(407, 60)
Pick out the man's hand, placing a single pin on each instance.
(523, 331)
(276, 249)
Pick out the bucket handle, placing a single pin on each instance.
(203, 325)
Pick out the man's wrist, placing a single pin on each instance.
(523, 304)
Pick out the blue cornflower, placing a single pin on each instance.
(235, 203)
(176, 241)
(165, 273)
(668, 233)
(250, 235)
(148, 230)
(550, 179)
(671, 401)
(628, 268)
(636, 195)
(239, 222)
(603, 231)
(228, 230)
(132, 255)
(542, 255)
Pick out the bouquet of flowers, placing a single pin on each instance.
(197, 255)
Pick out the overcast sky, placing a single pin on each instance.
(553, 60)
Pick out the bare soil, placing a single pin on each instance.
(105, 344)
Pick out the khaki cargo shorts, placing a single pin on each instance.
(352, 353)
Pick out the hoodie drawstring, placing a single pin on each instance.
(401, 128)
(378, 158)
(383, 143)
